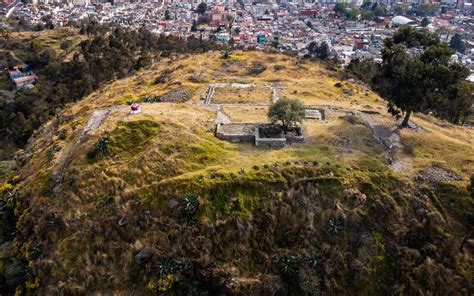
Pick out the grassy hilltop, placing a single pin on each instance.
(342, 213)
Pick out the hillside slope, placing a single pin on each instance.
(360, 208)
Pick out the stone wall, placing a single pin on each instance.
(313, 112)
(249, 132)
(294, 139)
(236, 132)
(269, 142)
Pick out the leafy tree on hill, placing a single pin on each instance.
(425, 9)
(363, 69)
(289, 112)
(194, 26)
(456, 107)
(202, 8)
(366, 5)
(340, 9)
(414, 82)
(320, 51)
(457, 43)
(412, 37)
(425, 22)
(401, 8)
(379, 11)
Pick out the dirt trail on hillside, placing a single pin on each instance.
(389, 140)
(96, 119)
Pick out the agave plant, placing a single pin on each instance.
(189, 205)
(167, 265)
(11, 196)
(335, 225)
(102, 145)
(53, 220)
(288, 265)
(106, 201)
(315, 259)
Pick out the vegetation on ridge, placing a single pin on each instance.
(171, 209)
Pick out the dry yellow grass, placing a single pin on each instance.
(172, 146)
(246, 113)
(250, 95)
(188, 129)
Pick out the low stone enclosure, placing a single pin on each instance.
(263, 135)
(213, 86)
(313, 112)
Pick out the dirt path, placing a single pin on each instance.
(389, 140)
(96, 119)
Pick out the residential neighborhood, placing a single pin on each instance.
(353, 30)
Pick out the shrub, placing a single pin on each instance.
(51, 151)
(256, 69)
(62, 134)
(100, 147)
(161, 284)
(54, 221)
(106, 201)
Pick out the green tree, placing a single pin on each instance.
(380, 11)
(366, 5)
(425, 22)
(363, 69)
(289, 112)
(340, 9)
(202, 8)
(412, 37)
(425, 9)
(320, 51)
(194, 26)
(167, 15)
(400, 8)
(456, 107)
(416, 82)
(457, 43)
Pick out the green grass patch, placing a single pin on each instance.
(132, 137)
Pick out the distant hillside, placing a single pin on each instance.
(161, 205)
(29, 110)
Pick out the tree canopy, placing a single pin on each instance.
(320, 51)
(416, 73)
(202, 8)
(457, 43)
(425, 22)
(105, 54)
(289, 112)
